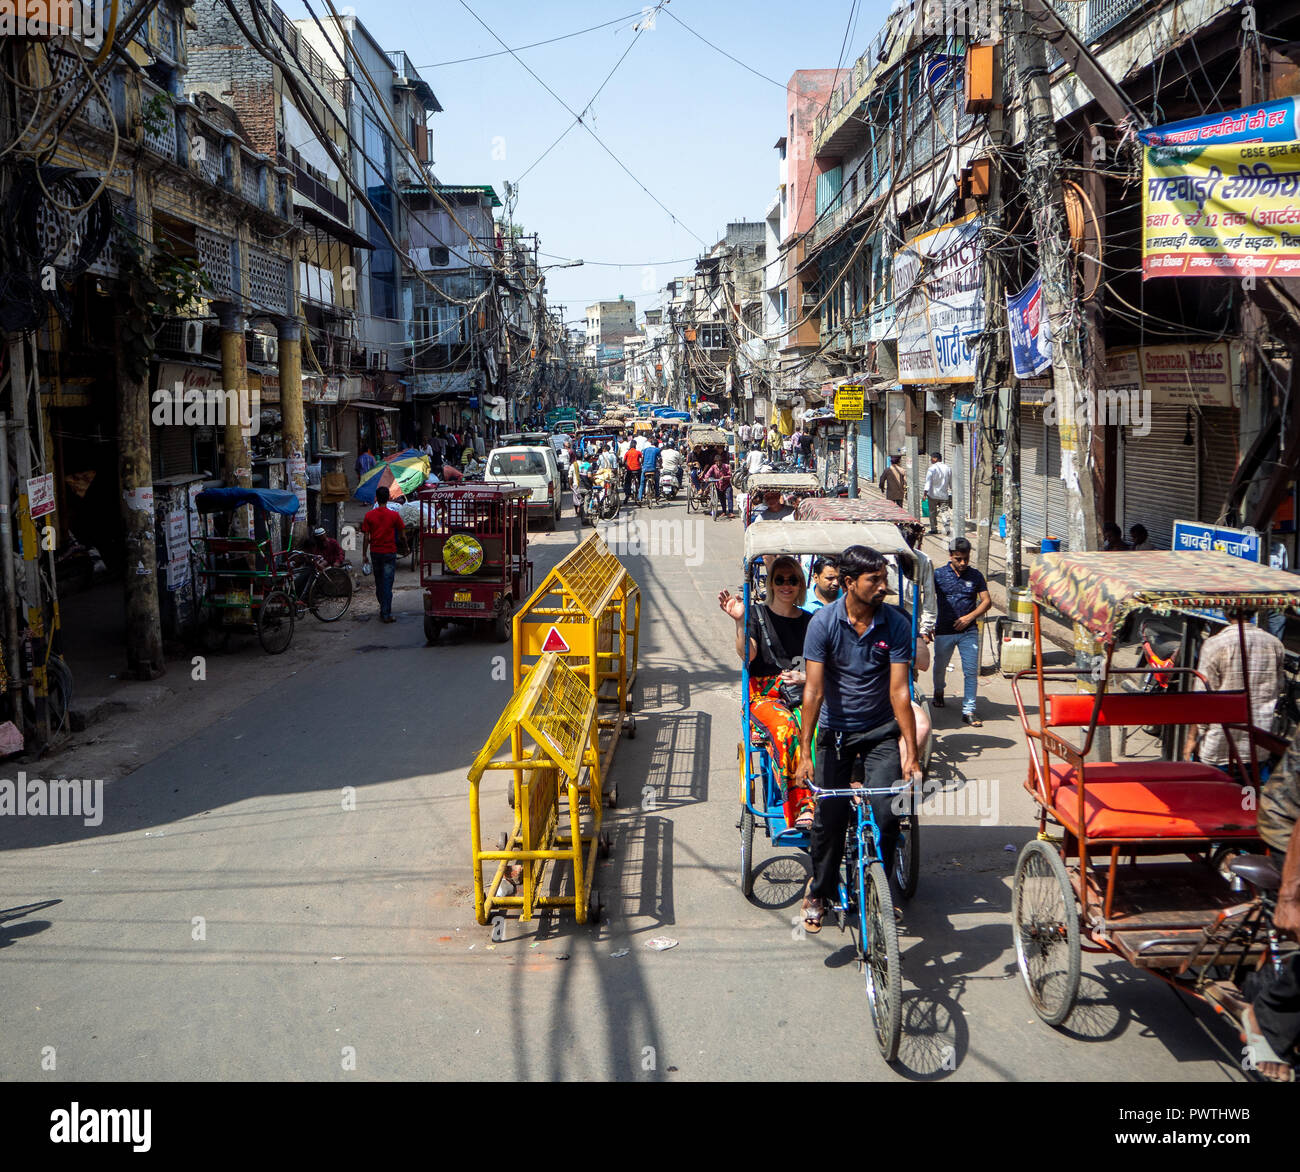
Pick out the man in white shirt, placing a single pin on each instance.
(623, 446)
(742, 433)
(642, 441)
(754, 461)
(938, 491)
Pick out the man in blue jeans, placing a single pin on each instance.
(963, 596)
(382, 532)
(649, 470)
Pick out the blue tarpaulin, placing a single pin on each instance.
(221, 500)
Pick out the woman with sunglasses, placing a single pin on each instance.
(786, 625)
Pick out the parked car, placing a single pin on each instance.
(533, 467)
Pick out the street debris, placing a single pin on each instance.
(661, 943)
(620, 952)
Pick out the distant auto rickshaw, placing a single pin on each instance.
(474, 565)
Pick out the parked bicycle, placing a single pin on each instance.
(318, 587)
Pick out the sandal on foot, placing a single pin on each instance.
(807, 815)
(1259, 1053)
(813, 910)
(971, 719)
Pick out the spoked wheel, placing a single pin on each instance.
(713, 504)
(907, 856)
(1045, 920)
(275, 622)
(331, 594)
(883, 968)
(746, 852)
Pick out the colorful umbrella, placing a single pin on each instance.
(401, 474)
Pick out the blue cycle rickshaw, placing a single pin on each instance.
(864, 895)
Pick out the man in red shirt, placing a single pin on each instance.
(632, 471)
(382, 530)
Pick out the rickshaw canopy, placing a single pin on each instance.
(794, 538)
(844, 509)
(1100, 590)
(227, 497)
(708, 437)
(762, 482)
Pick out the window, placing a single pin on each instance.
(712, 336)
(440, 325)
(783, 307)
(518, 463)
(439, 255)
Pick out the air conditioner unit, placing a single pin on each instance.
(809, 300)
(192, 337)
(270, 350)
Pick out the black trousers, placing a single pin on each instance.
(882, 768)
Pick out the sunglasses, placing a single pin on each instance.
(782, 580)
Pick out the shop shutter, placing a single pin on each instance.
(171, 450)
(866, 468)
(1160, 476)
(1218, 448)
(1033, 477)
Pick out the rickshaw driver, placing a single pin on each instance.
(858, 660)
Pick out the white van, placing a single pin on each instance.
(532, 467)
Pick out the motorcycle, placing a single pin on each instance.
(670, 483)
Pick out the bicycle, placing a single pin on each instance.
(327, 590)
(715, 502)
(864, 893)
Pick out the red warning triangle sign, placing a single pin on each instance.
(554, 641)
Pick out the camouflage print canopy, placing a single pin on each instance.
(1099, 590)
(861, 509)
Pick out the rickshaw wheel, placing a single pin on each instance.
(432, 630)
(331, 595)
(275, 622)
(746, 852)
(1045, 920)
(883, 967)
(907, 856)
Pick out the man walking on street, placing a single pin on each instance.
(963, 596)
(858, 657)
(893, 480)
(382, 529)
(938, 491)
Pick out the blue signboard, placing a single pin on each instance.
(1237, 543)
(963, 407)
(1031, 349)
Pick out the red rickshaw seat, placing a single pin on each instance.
(1138, 809)
(1146, 772)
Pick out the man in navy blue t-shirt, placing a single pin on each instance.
(858, 657)
(963, 596)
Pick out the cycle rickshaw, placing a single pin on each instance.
(705, 446)
(1147, 859)
(245, 581)
(865, 904)
(796, 485)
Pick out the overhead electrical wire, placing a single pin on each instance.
(535, 44)
(622, 166)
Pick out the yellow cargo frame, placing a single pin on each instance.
(590, 595)
(554, 709)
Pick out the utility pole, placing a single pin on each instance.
(991, 365)
(1042, 185)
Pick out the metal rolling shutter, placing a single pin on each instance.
(1218, 448)
(171, 450)
(1160, 476)
(1033, 476)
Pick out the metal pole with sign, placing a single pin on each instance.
(850, 399)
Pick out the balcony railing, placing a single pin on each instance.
(316, 191)
(311, 62)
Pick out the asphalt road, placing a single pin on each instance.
(231, 919)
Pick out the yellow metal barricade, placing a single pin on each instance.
(588, 611)
(556, 774)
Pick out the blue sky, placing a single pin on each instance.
(695, 128)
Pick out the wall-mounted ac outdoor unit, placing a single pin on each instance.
(809, 300)
(270, 350)
(192, 337)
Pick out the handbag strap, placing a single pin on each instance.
(771, 640)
